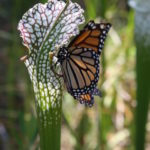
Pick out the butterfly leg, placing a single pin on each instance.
(53, 63)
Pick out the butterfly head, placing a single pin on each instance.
(62, 54)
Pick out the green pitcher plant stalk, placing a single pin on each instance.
(44, 29)
(142, 40)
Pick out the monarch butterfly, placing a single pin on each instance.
(80, 62)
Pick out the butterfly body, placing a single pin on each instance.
(80, 62)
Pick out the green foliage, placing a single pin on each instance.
(143, 90)
(143, 94)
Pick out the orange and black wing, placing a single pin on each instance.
(81, 74)
(92, 36)
(81, 70)
(81, 65)
(86, 99)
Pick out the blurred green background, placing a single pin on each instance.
(110, 124)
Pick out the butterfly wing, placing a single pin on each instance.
(81, 66)
(92, 36)
(81, 70)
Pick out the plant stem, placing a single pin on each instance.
(142, 38)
